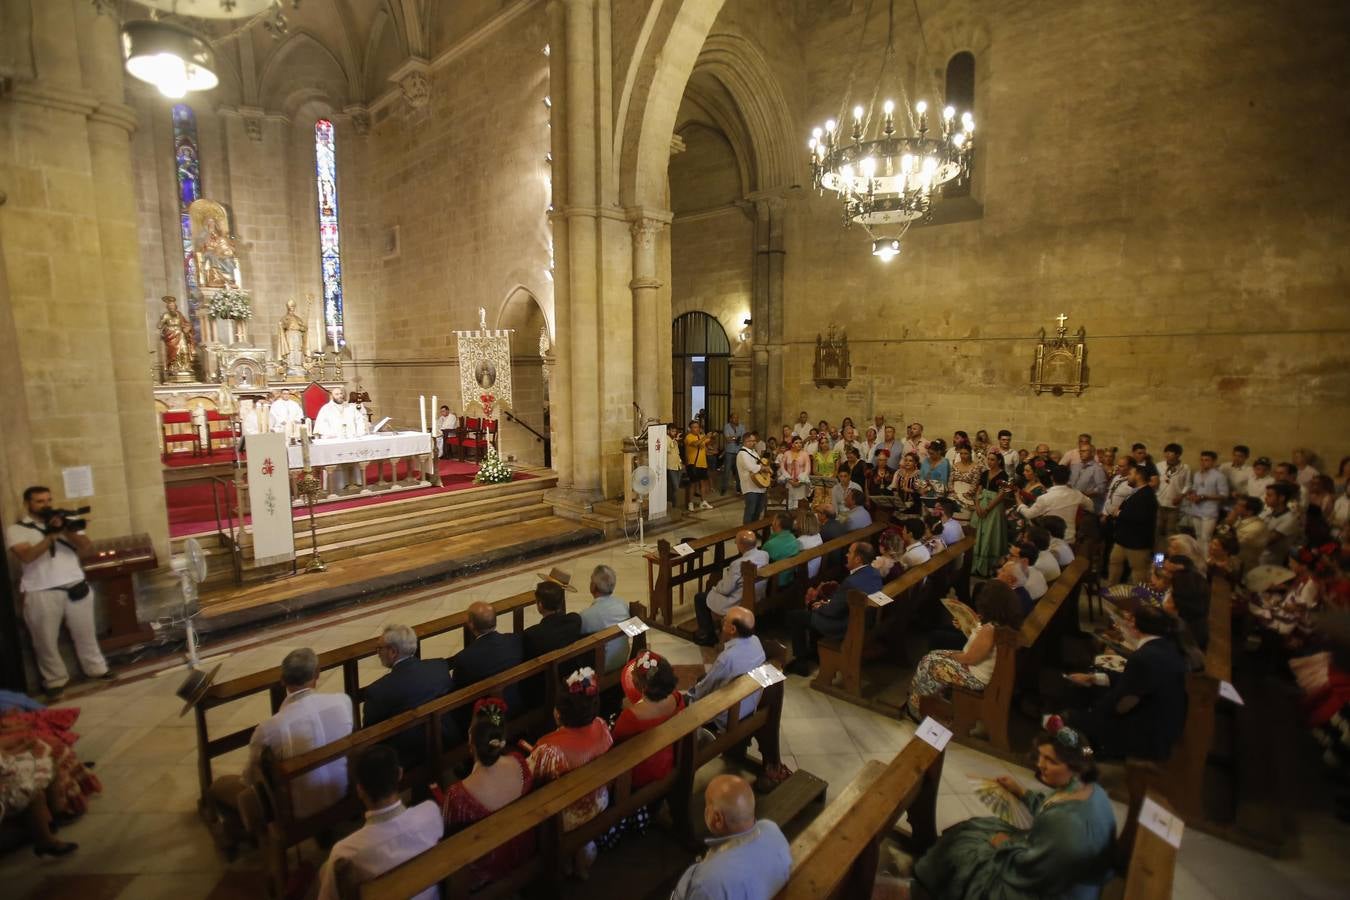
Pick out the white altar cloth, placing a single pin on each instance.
(365, 449)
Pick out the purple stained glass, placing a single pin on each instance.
(187, 171)
(330, 258)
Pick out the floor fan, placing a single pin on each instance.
(192, 573)
(642, 482)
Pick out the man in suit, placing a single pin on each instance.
(556, 629)
(830, 528)
(490, 654)
(410, 683)
(828, 617)
(1135, 522)
(1142, 711)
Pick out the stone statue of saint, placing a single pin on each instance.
(294, 337)
(180, 349)
(217, 261)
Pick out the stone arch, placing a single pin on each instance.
(301, 48)
(522, 311)
(526, 438)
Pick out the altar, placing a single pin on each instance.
(368, 449)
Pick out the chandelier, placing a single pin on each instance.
(887, 177)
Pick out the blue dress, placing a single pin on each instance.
(1066, 854)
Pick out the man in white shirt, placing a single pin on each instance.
(857, 516)
(446, 423)
(307, 720)
(1208, 488)
(1011, 458)
(1238, 472)
(729, 589)
(1024, 554)
(849, 438)
(54, 590)
(915, 442)
(286, 414)
(1260, 479)
(1086, 475)
(1060, 500)
(911, 535)
(1174, 480)
(392, 835)
(748, 463)
(339, 419)
(951, 530)
(803, 426)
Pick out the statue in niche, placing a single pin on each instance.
(294, 339)
(180, 349)
(217, 259)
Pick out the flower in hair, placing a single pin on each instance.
(648, 660)
(494, 708)
(582, 681)
(1066, 736)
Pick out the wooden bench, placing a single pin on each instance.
(1018, 653)
(347, 658)
(845, 656)
(781, 596)
(1149, 862)
(1181, 779)
(448, 862)
(282, 829)
(667, 570)
(838, 853)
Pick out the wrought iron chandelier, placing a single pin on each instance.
(886, 178)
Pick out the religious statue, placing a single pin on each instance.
(217, 261)
(180, 349)
(294, 334)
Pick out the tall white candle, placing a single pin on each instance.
(422, 409)
(304, 445)
(435, 413)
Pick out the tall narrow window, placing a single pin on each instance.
(330, 259)
(960, 94)
(188, 175)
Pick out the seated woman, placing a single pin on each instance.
(1225, 557)
(497, 779)
(581, 736)
(41, 777)
(652, 700)
(1141, 711)
(1185, 545)
(1188, 600)
(28, 791)
(1065, 854)
(973, 665)
(888, 560)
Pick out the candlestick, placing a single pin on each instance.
(435, 413)
(304, 445)
(422, 409)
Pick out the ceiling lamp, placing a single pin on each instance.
(888, 178)
(168, 56)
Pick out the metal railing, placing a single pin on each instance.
(228, 539)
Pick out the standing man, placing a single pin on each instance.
(1011, 458)
(1174, 480)
(1116, 492)
(1260, 479)
(1087, 476)
(338, 419)
(748, 464)
(1061, 500)
(696, 463)
(915, 442)
(1135, 523)
(54, 590)
(892, 445)
(803, 427)
(1238, 472)
(733, 434)
(286, 414)
(1207, 489)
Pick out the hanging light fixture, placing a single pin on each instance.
(886, 178)
(168, 56)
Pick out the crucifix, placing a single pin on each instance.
(1061, 319)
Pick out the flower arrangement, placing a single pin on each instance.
(230, 303)
(487, 400)
(493, 470)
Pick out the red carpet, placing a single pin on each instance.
(191, 510)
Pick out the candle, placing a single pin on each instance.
(435, 412)
(304, 445)
(422, 409)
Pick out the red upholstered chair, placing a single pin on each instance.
(171, 427)
(219, 427)
(471, 438)
(313, 398)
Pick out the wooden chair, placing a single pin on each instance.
(171, 433)
(216, 431)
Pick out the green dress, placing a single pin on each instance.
(824, 464)
(781, 545)
(991, 529)
(1066, 854)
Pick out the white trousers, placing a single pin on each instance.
(1204, 530)
(43, 612)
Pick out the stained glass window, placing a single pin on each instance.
(188, 173)
(330, 259)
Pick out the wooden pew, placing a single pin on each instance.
(667, 570)
(838, 853)
(1019, 653)
(283, 830)
(845, 657)
(347, 658)
(447, 863)
(778, 596)
(1181, 779)
(1150, 862)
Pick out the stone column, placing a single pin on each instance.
(767, 313)
(647, 227)
(560, 388)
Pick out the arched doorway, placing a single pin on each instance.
(701, 369)
(525, 427)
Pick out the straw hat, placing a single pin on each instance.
(194, 687)
(559, 577)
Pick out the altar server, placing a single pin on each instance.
(286, 414)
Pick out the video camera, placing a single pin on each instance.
(72, 519)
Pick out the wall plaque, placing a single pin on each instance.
(1060, 365)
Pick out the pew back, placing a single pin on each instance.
(667, 570)
(776, 595)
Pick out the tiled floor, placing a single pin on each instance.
(143, 839)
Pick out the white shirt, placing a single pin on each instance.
(801, 430)
(391, 836)
(916, 554)
(1011, 459)
(338, 420)
(283, 413)
(1036, 585)
(48, 571)
(1060, 500)
(1062, 552)
(1047, 565)
(447, 423)
(1119, 489)
(1256, 487)
(1173, 482)
(748, 462)
(306, 720)
(810, 542)
(1238, 477)
(728, 591)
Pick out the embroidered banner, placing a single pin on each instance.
(269, 499)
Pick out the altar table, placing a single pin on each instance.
(365, 450)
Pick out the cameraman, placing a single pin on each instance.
(54, 588)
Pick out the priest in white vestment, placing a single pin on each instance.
(286, 414)
(339, 419)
